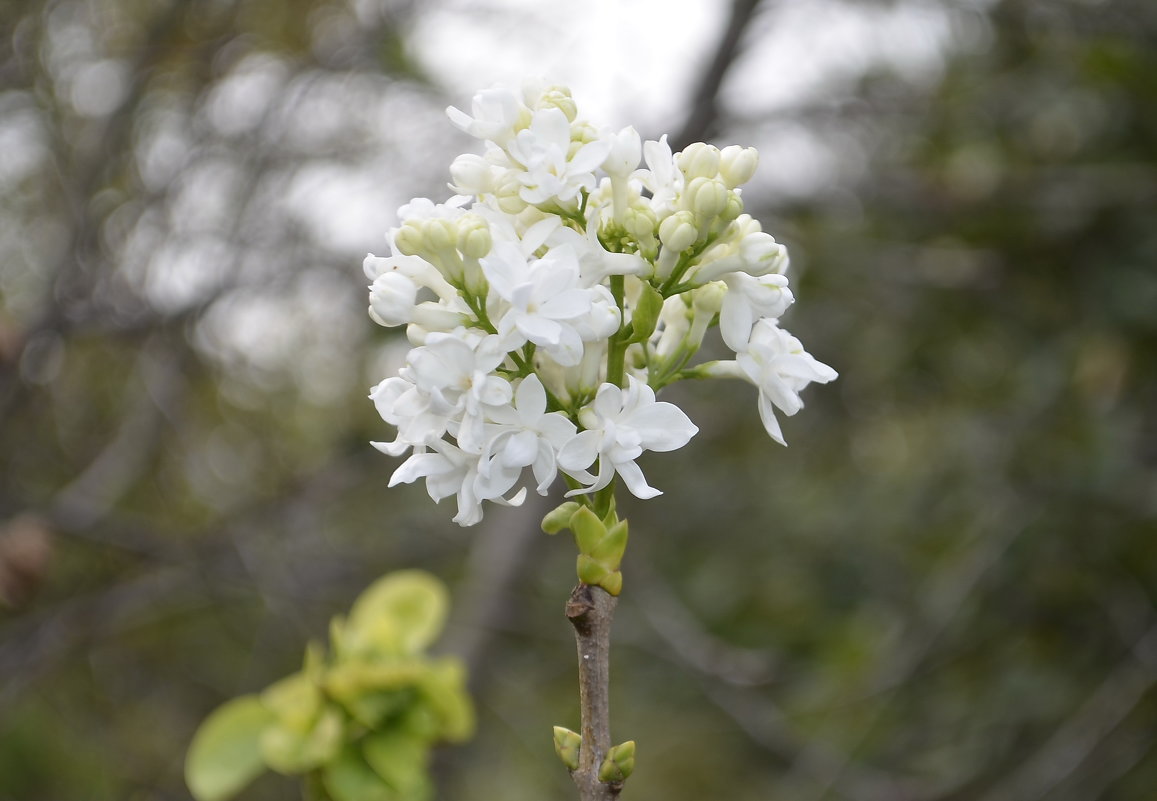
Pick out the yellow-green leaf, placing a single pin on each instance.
(588, 529)
(291, 752)
(225, 754)
(401, 761)
(350, 778)
(399, 614)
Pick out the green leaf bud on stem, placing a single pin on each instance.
(618, 764)
(559, 518)
(566, 745)
(588, 530)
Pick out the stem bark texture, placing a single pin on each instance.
(590, 610)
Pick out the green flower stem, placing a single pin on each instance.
(590, 610)
(617, 349)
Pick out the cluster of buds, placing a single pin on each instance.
(559, 290)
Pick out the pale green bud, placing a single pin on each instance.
(410, 239)
(706, 197)
(473, 236)
(733, 208)
(440, 235)
(707, 300)
(699, 160)
(618, 764)
(678, 231)
(506, 192)
(566, 745)
(737, 165)
(640, 221)
(559, 518)
(581, 133)
(559, 97)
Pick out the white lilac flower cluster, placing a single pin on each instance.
(558, 290)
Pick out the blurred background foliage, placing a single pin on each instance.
(942, 591)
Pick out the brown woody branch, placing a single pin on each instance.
(590, 610)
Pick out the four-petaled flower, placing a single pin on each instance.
(620, 425)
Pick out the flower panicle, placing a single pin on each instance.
(575, 273)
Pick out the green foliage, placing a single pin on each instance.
(601, 543)
(365, 717)
(645, 315)
(558, 519)
(225, 754)
(399, 615)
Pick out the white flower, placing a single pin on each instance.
(749, 299)
(528, 436)
(621, 424)
(544, 300)
(662, 177)
(542, 151)
(496, 113)
(776, 362)
(449, 470)
(457, 375)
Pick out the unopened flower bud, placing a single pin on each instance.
(559, 97)
(440, 234)
(507, 193)
(410, 239)
(639, 220)
(706, 197)
(737, 164)
(474, 239)
(707, 300)
(471, 175)
(678, 232)
(699, 160)
(733, 208)
(392, 299)
(762, 254)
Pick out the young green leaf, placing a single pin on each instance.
(401, 761)
(559, 518)
(401, 613)
(350, 778)
(588, 529)
(226, 753)
(645, 316)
